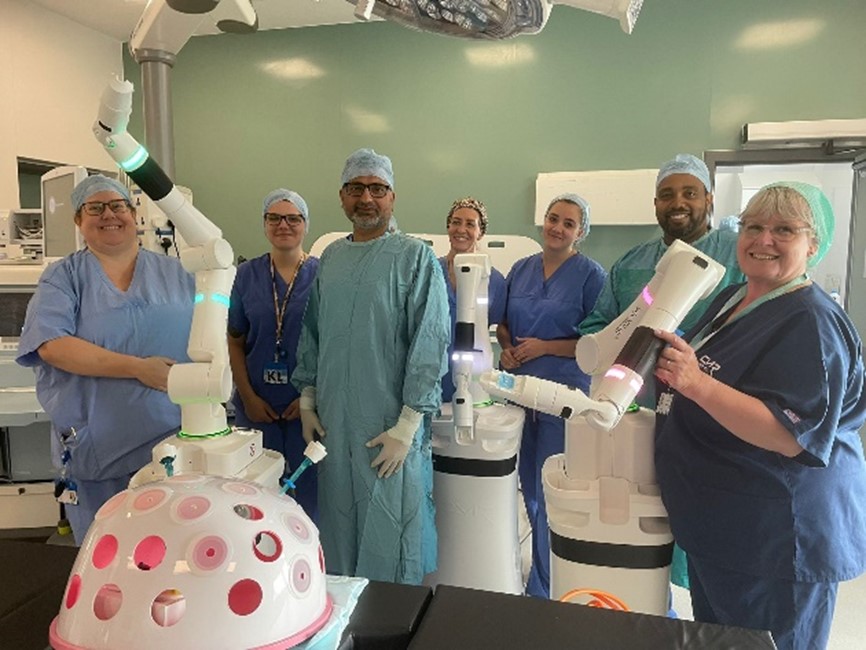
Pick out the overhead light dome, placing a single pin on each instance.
(488, 19)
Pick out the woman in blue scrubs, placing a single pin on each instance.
(758, 454)
(467, 223)
(267, 305)
(548, 295)
(102, 330)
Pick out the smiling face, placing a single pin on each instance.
(285, 236)
(464, 230)
(561, 226)
(683, 208)
(368, 214)
(109, 232)
(766, 260)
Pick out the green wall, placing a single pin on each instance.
(591, 97)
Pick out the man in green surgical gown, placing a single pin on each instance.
(371, 355)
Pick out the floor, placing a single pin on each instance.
(848, 629)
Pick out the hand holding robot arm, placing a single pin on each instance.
(626, 350)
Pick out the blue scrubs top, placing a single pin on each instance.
(552, 309)
(753, 510)
(495, 311)
(252, 314)
(117, 421)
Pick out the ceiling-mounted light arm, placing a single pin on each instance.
(163, 29)
(488, 19)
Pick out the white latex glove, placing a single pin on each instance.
(395, 442)
(310, 423)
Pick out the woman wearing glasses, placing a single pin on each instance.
(102, 330)
(758, 456)
(267, 305)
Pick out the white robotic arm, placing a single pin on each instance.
(472, 352)
(202, 386)
(626, 350)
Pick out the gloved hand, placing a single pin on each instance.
(310, 423)
(395, 442)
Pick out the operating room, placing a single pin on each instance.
(285, 106)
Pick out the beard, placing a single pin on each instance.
(369, 220)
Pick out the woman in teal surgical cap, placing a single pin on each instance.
(102, 330)
(548, 295)
(758, 455)
(267, 305)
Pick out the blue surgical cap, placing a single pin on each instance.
(823, 221)
(281, 194)
(731, 222)
(366, 162)
(685, 163)
(580, 202)
(95, 184)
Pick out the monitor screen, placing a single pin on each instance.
(58, 217)
(13, 312)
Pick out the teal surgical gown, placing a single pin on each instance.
(374, 338)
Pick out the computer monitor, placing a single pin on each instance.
(60, 235)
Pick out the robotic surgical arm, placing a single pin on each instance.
(626, 350)
(472, 352)
(200, 387)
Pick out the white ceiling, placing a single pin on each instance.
(117, 18)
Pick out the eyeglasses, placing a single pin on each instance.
(291, 219)
(377, 190)
(96, 208)
(780, 233)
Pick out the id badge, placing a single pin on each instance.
(276, 373)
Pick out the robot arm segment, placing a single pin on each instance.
(684, 275)
(202, 386)
(472, 351)
(626, 350)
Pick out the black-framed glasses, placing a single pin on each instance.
(291, 219)
(377, 190)
(781, 232)
(96, 208)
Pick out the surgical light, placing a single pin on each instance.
(488, 19)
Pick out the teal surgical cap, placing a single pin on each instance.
(287, 195)
(686, 163)
(580, 202)
(366, 162)
(95, 184)
(823, 221)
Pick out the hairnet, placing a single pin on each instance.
(821, 220)
(580, 202)
(474, 204)
(366, 162)
(282, 194)
(94, 184)
(731, 222)
(686, 163)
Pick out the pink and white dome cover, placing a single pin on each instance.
(195, 562)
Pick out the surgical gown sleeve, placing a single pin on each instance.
(308, 343)
(428, 321)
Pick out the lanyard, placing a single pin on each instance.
(280, 306)
(714, 326)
